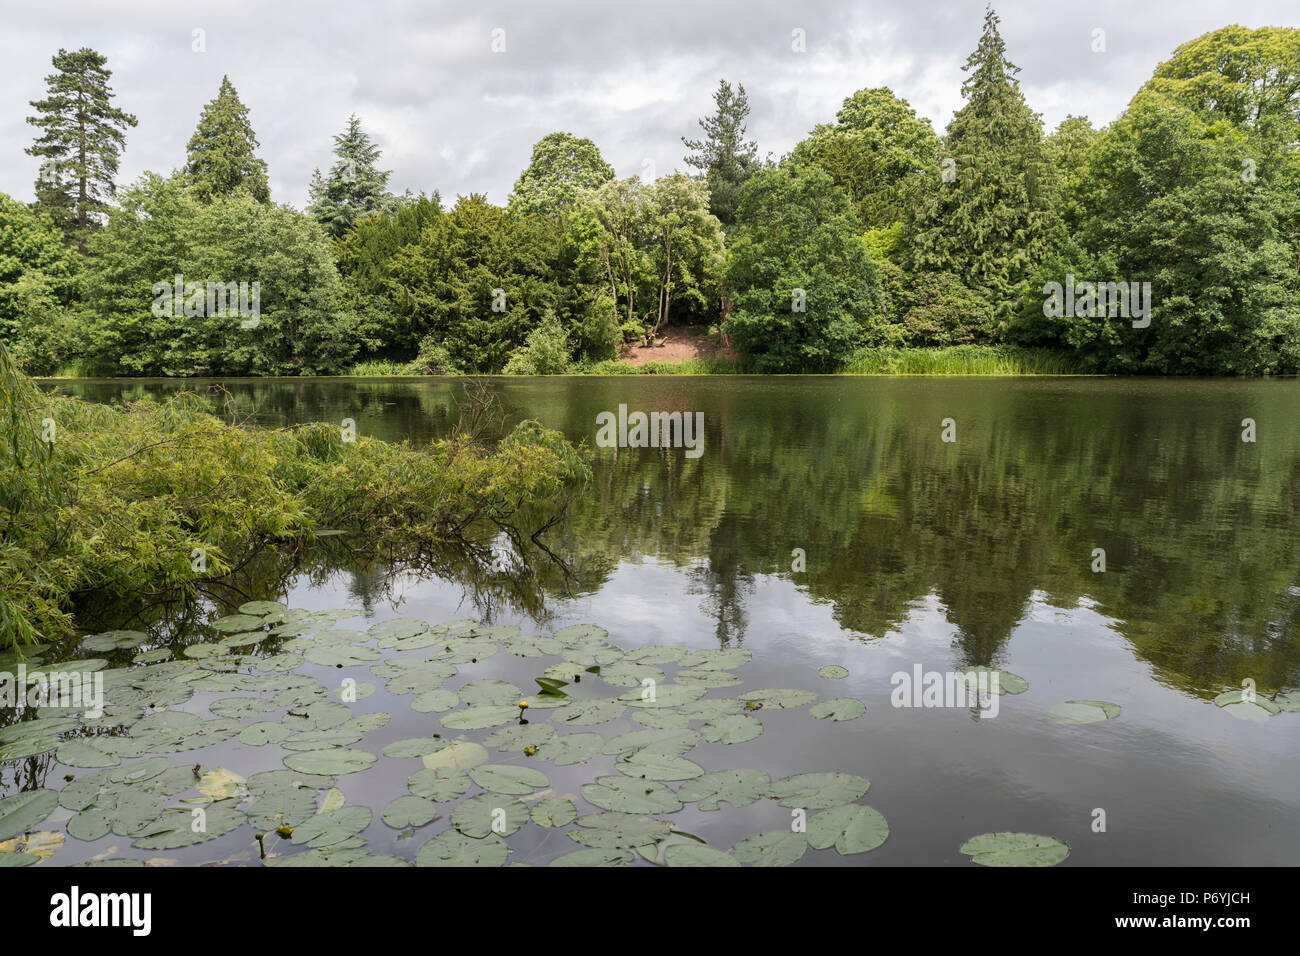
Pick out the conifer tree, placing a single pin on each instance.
(355, 186)
(221, 152)
(987, 217)
(724, 157)
(81, 142)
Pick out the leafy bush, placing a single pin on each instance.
(546, 351)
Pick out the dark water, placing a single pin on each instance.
(918, 552)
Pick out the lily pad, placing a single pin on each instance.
(850, 829)
(738, 788)
(1015, 849)
(451, 848)
(694, 854)
(838, 708)
(731, 729)
(439, 784)
(833, 672)
(409, 811)
(630, 795)
(489, 813)
(1083, 711)
(773, 848)
(508, 778)
(819, 791)
(22, 811)
(554, 812)
(341, 760)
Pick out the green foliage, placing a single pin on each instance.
(479, 279)
(31, 249)
(545, 351)
(164, 497)
(961, 360)
(221, 155)
(81, 142)
(562, 167)
(992, 224)
(355, 186)
(724, 157)
(655, 249)
(876, 144)
(1173, 208)
(433, 359)
(163, 229)
(799, 233)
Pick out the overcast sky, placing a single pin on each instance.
(452, 115)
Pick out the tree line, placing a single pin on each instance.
(873, 232)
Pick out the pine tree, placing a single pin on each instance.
(725, 158)
(355, 186)
(82, 139)
(220, 156)
(987, 218)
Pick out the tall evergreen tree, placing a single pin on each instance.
(81, 141)
(988, 218)
(724, 157)
(355, 187)
(221, 152)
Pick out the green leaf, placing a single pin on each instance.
(22, 811)
(630, 795)
(739, 788)
(850, 829)
(507, 778)
(773, 848)
(450, 848)
(1015, 849)
(819, 791)
(838, 708)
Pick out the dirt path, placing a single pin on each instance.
(679, 345)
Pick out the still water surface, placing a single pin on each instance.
(917, 552)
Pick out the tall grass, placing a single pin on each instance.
(961, 360)
(380, 368)
(696, 366)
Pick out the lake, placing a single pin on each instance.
(826, 521)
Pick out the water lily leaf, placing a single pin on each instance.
(233, 623)
(399, 628)
(648, 765)
(35, 846)
(630, 795)
(323, 739)
(352, 692)
(261, 608)
(22, 811)
(773, 848)
(333, 800)
(567, 749)
(439, 784)
(268, 781)
(520, 736)
(819, 791)
(739, 788)
(587, 713)
(460, 755)
(413, 747)
(1257, 708)
(710, 709)
(435, 701)
(1007, 682)
(1015, 849)
(318, 715)
(342, 656)
(595, 857)
(283, 807)
(85, 752)
(628, 674)
(342, 760)
(717, 660)
(507, 778)
(703, 677)
(581, 634)
(478, 718)
(850, 829)
(731, 729)
(656, 654)
(693, 854)
(263, 732)
(220, 784)
(554, 812)
(660, 741)
(782, 698)
(113, 641)
(1083, 711)
(565, 671)
(613, 830)
(489, 813)
(838, 708)
(592, 655)
(663, 695)
(240, 707)
(331, 827)
(409, 811)
(450, 848)
(484, 693)
(661, 719)
(178, 827)
(833, 672)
